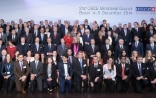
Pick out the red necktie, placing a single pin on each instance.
(123, 70)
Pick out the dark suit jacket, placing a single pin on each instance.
(78, 71)
(62, 70)
(23, 48)
(127, 71)
(139, 48)
(135, 70)
(46, 48)
(151, 73)
(148, 35)
(44, 41)
(16, 40)
(57, 39)
(127, 38)
(1, 48)
(95, 72)
(53, 72)
(6, 69)
(90, 50)
(37, 71)
(115, 41)
(104, 49)
(148, 47)
(136, 33)
(34, 48)
(29, 38)
(60, 50)
(17, 70)
(118, 51)
(87, 39)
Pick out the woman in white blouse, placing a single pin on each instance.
(109, 71)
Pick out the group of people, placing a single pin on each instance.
(85, 57)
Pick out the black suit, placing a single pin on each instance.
(136, 33)
(15, 40)
(56, 38)
(23, 48)
(126, 37)
(78, 71)
(43, 38)
(152, 76)
(149, 47)
(49, 49)
(118, 51)
(123, 85)
(49, 84)
(28, 38)
(104, 50)
(35, 50)
(96, 71)
(139, 48)
(149, 34)
(92, 50)
(136, 72)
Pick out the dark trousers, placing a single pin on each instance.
(110, 85)
(122, 85)
(8, 84)
(1, 82)
(97, 87)
(36, 82)
(140, 85)
(49, 84)
(65, 85)
(78, 86)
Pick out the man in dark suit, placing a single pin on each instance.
(65, 74)
(60, 27)
(92, 49)
(70, 57)
(119, 28)
(28, 37)
(41, 25)
(21, 71)
(152, 76)
(23, 47)
(123, 75)
(80, 73)
(139, 73)
(151, 46)
(49, 47)
(62, 48)
(35, 32)
(1, 46)
(137, 46)
(37, 47)
(86, 25)
(56, 36)
(119, 49)
(95, 75)
(108, 28)
(116, 38)
(136, 31)
(150, 33)
(14, 37)
(3, 36)
(42, 36)
(106, 47)
(36, 70)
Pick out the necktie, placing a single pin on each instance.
(49, 47)
(81, 63)
(36, 63)
(63, 47)
(37, 47)
(123, 70)
(21, 65)
(140, 71)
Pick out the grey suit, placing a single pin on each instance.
(62, 51)
(4, 39)
(38, 71)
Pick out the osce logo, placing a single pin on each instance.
(146, 9)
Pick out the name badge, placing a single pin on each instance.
(24, 66)
(8, 73)
(98, 69)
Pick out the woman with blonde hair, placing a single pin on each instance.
(133, 57)
(148, 59)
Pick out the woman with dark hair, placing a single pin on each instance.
(49, 75)
(109, 71)
(108, 54)
(7, 72)
(29, 57)
(123, 53)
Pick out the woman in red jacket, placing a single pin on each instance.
(68, 39)
(11, 49)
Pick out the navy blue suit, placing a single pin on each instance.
(149, 47)
(34, 48)
(139, 48)
(62, 77)
(47, 49)
(23, 48)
